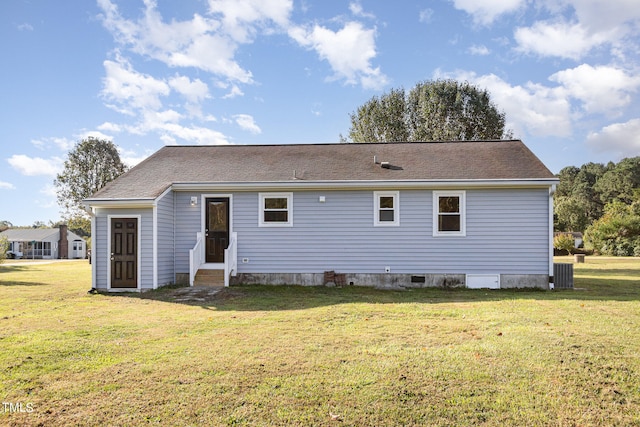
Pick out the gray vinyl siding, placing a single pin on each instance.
(165, 218)
(187, 224)
(507, 233)
(100, 243)
(102, 258)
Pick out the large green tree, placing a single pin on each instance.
(577, 201)
(440, 110)
(620, 182)
(90, 165)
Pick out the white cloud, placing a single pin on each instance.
(35, 166)
(167, 125)
(205, 42)
(532, 108)
(246, 122)
(577, 26)
(357, 10)
(234, 92)
(195, 134)
(195, 91)
(486, 11)
(602, 89)
(94, 134)
(348, 51)
(620, 138)
(140, 95)
(131, 89)
(210, 53)
(208, 44)
(110, 127)
(131, 158)
(561, 39)
(6, 186)
(242, 18)
(480, 50)
(25, 27)
(580, 26)
(425, 16)
(64, 144)
(598, 16)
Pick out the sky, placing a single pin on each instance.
(146, 73)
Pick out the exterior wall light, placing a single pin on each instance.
(194, 200)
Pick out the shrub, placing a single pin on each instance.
(564, 242)
(623, 248)
(4, 247)
(617, 232)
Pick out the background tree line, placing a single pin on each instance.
(603, 201)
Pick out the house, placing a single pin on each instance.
(384, 214)
(45, 243)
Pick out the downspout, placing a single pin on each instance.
(552, 191)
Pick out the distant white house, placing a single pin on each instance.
(45, 243)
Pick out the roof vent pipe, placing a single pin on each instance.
(375, 160)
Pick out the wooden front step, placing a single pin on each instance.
(214, 278)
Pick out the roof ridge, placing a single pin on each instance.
(311, 144)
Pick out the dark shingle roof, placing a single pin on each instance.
(424, 161)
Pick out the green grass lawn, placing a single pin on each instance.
(320, 356)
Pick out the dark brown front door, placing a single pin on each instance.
(124, 252)
(217, 229)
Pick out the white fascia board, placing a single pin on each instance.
(363, 185)
(120, 203)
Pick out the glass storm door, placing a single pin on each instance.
(216, 229)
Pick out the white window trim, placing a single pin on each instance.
(463, 213)
(261, 199)
(376, 208)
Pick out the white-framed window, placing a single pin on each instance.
(276, 210)
(386, 208)
(449, 213)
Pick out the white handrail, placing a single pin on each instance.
(195, 258)
(231, 258)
